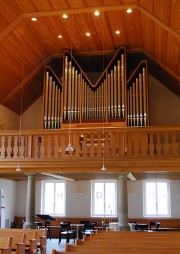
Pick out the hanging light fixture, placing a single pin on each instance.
(103, 114)
(103, 166)
(18, 169)
(70, 148)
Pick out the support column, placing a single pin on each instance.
(30, 202)
(122, 202)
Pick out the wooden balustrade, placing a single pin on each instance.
(112, 143)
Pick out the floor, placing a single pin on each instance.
(53, 244)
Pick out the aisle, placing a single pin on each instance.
(53, 244)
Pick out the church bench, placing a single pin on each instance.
(7, 244)
(24, 236)
(128, 243)
(123, 250)
(5, 250)
(40, 235)
(17, 237)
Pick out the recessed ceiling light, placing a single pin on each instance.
(60, 36)
(88, 34)
(65, 16)
(117, 32)
(97, 13)
(34, 19)
(129, 10)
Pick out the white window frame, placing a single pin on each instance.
(110, 214)
(156, 181)
(44, 182)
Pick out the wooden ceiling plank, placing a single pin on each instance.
(175, 16)
(9, 11)
(45, 35)
(133, 30)
(18, 51)
(160, 50)
(31, 40)
(25, 6)
(172, 53)
(85, 24)
(11, 26)
(116, 23)
(161, 11)
(159, 22)
(42, 5)
(147, 27)
(26, 79)
(63, 4)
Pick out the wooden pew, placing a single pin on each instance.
(40, 235)
(126, 242)
(124, 251)
(20, 237)
(17, 243)
(6, 245)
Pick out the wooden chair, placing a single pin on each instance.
(66, 232)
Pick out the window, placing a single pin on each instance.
(53, 201)
(157, 198)
(104, 198)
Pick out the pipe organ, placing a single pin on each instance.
(111, 99)
(137, 99)
(51, 100)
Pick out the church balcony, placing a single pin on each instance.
(120, 149)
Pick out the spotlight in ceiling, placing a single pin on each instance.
(96, 13)
(34, 19)
(65, 16)
(129, 10)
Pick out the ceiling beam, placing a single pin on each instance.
(20, 18)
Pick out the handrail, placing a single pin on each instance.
(113, 143)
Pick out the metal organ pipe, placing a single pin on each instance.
(52, 97)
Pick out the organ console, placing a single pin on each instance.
(111, 99)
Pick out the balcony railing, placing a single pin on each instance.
(95, 143)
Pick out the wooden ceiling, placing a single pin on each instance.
(153, 28)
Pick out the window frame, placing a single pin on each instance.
(93, 214)
(44, 182)
(156, 181)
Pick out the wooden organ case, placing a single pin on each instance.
(112, 99)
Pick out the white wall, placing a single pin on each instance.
(79, 205)
(9, 200)
(8, 119)
(33, 117)
(163, 104)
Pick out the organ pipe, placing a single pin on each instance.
(52, 100)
